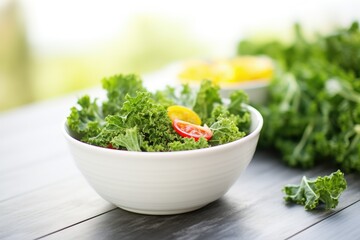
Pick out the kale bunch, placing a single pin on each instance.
(313, 113)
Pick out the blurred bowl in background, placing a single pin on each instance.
(249, 73)
(256, 90)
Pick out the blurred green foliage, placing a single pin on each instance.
(146, 44)
(14, 60)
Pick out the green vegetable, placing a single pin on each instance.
(207, 97)
(133, 119)
(86, 121)
(170, 96)
(225, 130)
(344, 47)
(313, 113)
(188, 144)
(322, 190)
(117, 88)
(131, 140)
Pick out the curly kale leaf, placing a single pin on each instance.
(230, 122)
(236, 107)
(117, 88)
(206, 99)
(322, 190)
(185, 96)
(225, 130)
(85, 120)
(237, 98)
(188, 144)
(131, 140)
(343, 48)
(113, 126)
(142, 119)
(150, 117)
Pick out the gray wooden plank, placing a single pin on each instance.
(39, 158)
(252, 209)
(36, 175)
(49, 209)
(30, 133)
(343, 225)
(33, 152)
(31, 146)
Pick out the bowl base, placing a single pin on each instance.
(161, 212)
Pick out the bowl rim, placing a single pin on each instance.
(208, 150)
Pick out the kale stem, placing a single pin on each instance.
(291, 92)
(350, 95)
(342, 88)
(304, 139)
(356, 140)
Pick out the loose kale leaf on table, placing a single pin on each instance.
(322, 190)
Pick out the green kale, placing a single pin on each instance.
(131, 140)
(86, 121)
(117, 88)
(206, 99)
(146, 120)
(323, 190)
(150, 117)
(343, 47)
(113, 126)
(170, 96)
(236, 108)
(313, 110)
(225, 130)
(188, 144)
(133, 119)
(229, 122)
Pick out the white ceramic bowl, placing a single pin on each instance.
(162, 183)
(256, 90)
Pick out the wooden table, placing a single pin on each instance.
(43, 195)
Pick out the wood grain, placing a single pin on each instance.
(33, 152)
(36, 175)
(252, 209)
(49, 209)
(344, 225)
(32, 133)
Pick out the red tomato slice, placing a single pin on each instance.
(110, 146)
(189, 130)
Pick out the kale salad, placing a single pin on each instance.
(134, 119)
